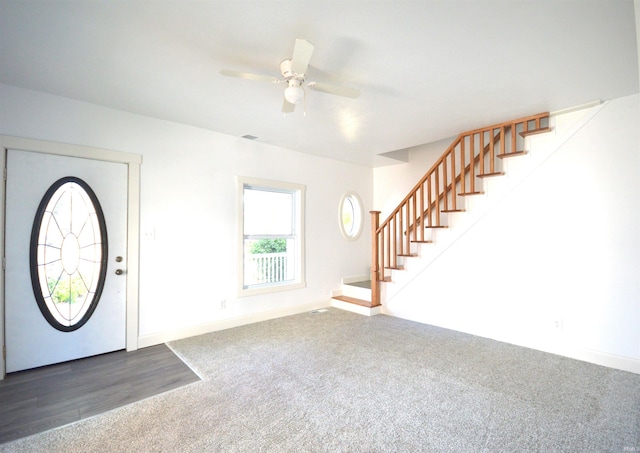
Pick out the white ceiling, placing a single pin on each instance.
(427, 70)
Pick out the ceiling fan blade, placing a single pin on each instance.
(301, 56)
(249, 76)
(334, 89)
(287, 107)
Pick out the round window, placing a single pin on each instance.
(350, 215)
(68, 254)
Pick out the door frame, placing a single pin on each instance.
(133, 162)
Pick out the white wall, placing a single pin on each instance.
(188, 199)
(562, 247)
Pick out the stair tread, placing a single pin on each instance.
(513, 154)
(366, 284)
(464, 194)
(355, 300)
(436, 226)
(422, 242)
(542, 130)
(452, 210)
(488, 175)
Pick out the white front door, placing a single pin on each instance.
(41, 326)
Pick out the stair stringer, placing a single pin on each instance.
(517, 170)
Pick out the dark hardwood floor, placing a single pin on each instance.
(36, 400)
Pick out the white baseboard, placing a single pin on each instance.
(564, 348)
(618, 362)
(200, 329)
(623, 363)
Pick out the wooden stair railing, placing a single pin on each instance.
(471, 155)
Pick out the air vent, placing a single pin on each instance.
(249, 137)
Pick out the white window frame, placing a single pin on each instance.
(298, 231)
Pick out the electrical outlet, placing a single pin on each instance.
(557, 324)
(223, 304)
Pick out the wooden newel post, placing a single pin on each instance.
(375, 259)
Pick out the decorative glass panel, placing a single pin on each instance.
(350, 216)
(68, 254)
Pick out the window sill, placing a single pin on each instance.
(266, 289)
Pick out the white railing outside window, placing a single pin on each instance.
(266, 268)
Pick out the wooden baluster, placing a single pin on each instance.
(429, 202)
(454, 194)
(421, 223)
(503, 145)
(514, 136)
(398, 236)
(414, 216)
(437, 201)
(375, 260)
(407, 237)
(463, 183)
(492, 155)
(445, 193)
(482, 152)
(381, 244)
(392, 239)
(472, 163)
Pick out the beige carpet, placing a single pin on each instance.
(340, 382)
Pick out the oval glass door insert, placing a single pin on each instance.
(68, 254)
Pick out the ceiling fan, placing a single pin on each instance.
(293, 72)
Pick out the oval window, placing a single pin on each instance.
(350, 216)
(68, 254)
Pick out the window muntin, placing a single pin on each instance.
(68, 254)
(272, 244)
(350, 216)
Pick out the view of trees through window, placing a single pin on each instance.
(269, 246)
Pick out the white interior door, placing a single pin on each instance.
(31, 339)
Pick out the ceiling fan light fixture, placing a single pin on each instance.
(294, 94)
(294, 74)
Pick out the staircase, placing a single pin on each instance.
(472, 157)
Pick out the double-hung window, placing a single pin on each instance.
(272, 227)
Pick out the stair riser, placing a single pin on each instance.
(357, 292)
(355, 308)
